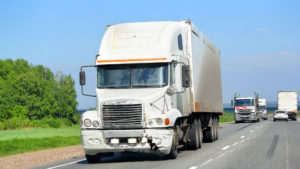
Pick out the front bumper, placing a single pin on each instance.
(280, 117)
(98, 141)
(248, 117)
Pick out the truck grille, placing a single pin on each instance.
(122, 116)
(247, 111)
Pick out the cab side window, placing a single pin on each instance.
(180, 46)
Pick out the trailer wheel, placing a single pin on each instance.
(200, 133)
(209, 134)
(93, 158)
(217, 128)
(193, 143)
(174, 149)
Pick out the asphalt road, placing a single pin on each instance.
(262, 145)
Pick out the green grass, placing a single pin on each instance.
(16, 146)
(39, 133)
(21, 141)
(227, 117)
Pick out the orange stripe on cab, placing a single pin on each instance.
(130, 60)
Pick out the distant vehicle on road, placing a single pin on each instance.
(280, 115)
(288, 101)
(263, 108)
(246, 108)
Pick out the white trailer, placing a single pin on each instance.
(263, 108)
(288, 101)
(158, 89)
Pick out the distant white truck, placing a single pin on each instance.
(288, 101)
(158, 89)
(246, 108)
(263, 108)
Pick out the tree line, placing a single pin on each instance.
(34, 92)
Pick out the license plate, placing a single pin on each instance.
(123, 146)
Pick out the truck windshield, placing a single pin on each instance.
(244, 102)
(262, 107)
(130, 76)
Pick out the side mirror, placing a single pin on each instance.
(171, 90)
(82, 78)
(186, 76)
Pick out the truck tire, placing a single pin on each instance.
(200, 133)
(174, 149)
(193, 143)
(214, 128)
(93, 158)
(209, 134)
(217, 128)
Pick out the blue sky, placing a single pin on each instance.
(259, 40)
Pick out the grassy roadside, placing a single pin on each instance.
(21, 141)
(227, 117)
(16, 146)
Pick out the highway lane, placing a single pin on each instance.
(266, 144)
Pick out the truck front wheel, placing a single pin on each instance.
(174, 149)
(93, 158)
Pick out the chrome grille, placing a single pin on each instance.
(122, 116)
(248, 111)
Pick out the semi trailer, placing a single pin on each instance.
(288, 102)
(246, 108)
(158, 90)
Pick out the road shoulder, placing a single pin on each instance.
(32, 159)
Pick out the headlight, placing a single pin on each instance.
(159, 121)
(95, 123)
(87, 122)
(150, 123)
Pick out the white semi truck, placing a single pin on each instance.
(246, 108)
(158, 89)
(263, 108)
(288, 101)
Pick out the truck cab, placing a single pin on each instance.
(246, 109)
(153, 79)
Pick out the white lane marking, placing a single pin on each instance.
(234, 144)
(219, 156)
(66, 164)
(251, 131)
(231, 150)
(257, 127)
(242, 137)
(242, 141)
(226, 147)
(193, 167)
(206, 162)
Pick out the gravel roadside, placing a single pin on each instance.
(37, 158)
